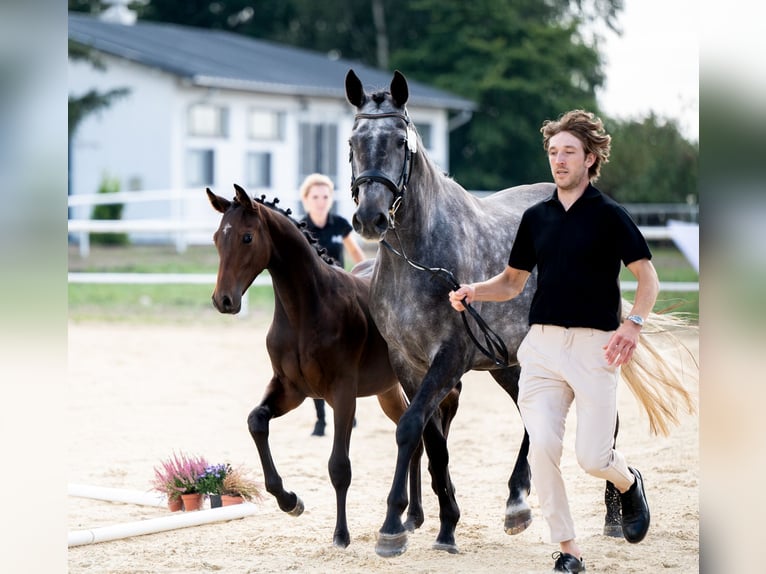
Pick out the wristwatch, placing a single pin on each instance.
(637, 319)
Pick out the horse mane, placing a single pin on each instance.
(301, 225)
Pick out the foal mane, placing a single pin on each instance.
(301, 225)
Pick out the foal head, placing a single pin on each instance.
(244, 248)
(383, 144)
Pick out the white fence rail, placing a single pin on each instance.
(179, 225)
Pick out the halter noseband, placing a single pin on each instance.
(376, 175)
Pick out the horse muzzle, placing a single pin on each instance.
(370, 224)
(227, 304)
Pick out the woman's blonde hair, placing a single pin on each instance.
(316, 179)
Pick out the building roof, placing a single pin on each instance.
(215, 58)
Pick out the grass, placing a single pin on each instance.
(191, 303)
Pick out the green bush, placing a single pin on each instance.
(109, 211)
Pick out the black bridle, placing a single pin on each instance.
(397, 188)
(495, 349)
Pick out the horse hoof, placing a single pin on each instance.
(341, 543)
(389, 545)
(518, 522)
(451, 548)
(613, 530)
(298, 509)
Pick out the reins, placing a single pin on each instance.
(495, 349)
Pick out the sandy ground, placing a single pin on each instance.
(137, 393)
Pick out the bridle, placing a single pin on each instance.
(397, 188)
(495, 349)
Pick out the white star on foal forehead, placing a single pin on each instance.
(226, 228)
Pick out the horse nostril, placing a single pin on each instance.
(381, 222)
(226, 302)
(356, 224)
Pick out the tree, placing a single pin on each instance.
(650, 162)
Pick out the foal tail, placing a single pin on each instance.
(660, 370)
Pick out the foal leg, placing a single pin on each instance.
(518, 514)
(612, 520)
(274, 404)
(339, 465)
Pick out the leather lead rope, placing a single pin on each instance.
(495, 347)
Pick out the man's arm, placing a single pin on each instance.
(503, 286)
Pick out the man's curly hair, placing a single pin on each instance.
(586, 127)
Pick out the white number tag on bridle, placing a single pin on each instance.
(412, 139)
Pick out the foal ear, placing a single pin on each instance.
(399, 90)
(218, 202)
(244, 199)
(354, 90)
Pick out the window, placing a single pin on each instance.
(264, 125)
(258, 169)
(206, 120)
(318, 150)
(199, 167)
(425, 134)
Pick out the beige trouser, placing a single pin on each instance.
(557, 365)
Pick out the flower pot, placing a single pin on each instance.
(215, 500)
(175, 504)
(228, 500)
(192, 501)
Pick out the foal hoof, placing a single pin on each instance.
(389, 545)
(451, 548)
(518, 521)
(298, 509)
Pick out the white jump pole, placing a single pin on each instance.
(150, 525)
(161, 524)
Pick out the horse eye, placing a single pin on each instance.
(247, 238)
(402, 141)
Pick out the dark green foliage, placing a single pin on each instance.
(108, 211)
(650, 163)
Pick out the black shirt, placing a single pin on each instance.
(577, 254)
(331, 235)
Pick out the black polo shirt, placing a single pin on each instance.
(578, 254)
(331, 236)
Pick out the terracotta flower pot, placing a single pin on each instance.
(228, 500)
(192, 501)
(175, 504)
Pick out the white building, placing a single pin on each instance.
(213, 108)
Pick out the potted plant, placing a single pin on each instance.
(176, 477)
(210, 482)
(237, 486)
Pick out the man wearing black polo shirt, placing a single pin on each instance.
(577, 240)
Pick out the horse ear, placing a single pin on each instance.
(244, 199)
(399, 90)
(354, 90)
(218, 202)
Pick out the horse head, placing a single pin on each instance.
(382, 145)
(243, 245)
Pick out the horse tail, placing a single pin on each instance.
(661, 369)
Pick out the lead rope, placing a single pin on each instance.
(495, 349)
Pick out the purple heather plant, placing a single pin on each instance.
(178, 474)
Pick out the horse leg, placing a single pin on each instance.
(518, 514)
(258, 425)
(393, 403)
(392, 536)
(441, 483)
(415, 515)
(339, 467)
(612, 520)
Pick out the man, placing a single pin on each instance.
(577, 239)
